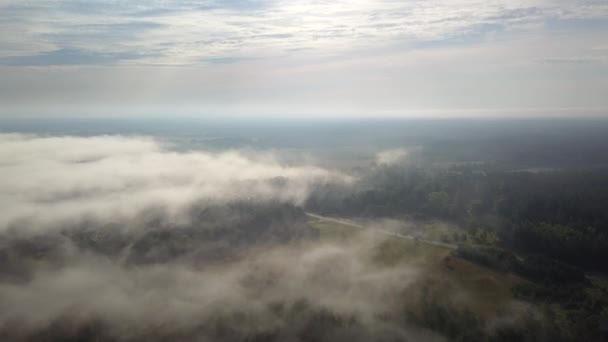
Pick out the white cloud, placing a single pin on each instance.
(391, 157)
(153, 301)
(62, 178)
(342, 58)
(193, 33)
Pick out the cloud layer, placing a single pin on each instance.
(122, 238)
(64, 178)
(117, 238)
(300, 58)
(74, 32)
(163, 300)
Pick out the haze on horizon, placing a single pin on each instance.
(293, 59)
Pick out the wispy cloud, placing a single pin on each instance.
(69, 57)
(124, 175)
(573, 60)
(272, 57)
(185, 32)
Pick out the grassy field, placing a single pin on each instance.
(444, 277)
(333, 231)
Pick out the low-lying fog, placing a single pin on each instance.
(122, 238)
(53, 179)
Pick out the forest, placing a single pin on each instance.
(140, 238)
(549, 227)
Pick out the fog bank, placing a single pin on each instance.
(49, 179)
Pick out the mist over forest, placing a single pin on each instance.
(303, 171)
(412, 230)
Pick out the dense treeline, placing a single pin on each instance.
(552, 228)
(559, 214)
(459, 324)
(537, 268)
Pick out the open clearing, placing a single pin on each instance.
(446, 277)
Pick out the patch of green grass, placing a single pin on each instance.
(491, 290)
(393, 250)
(333, 231)
(444, 276)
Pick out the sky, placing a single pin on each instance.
(357, 58)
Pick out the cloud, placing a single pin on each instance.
(62, 178)
(310, 290)
(573, 60)
(300, 58)
(197, 31)
(253, 295)
(123, 238)
(391, 157)
(68, 57)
